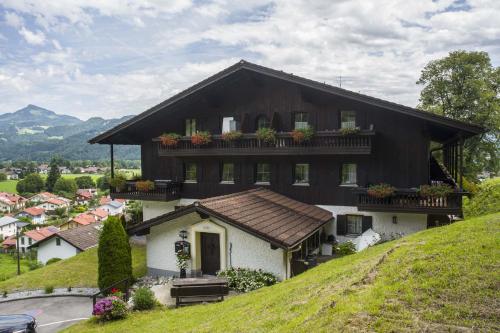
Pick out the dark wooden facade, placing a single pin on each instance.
(396, 150)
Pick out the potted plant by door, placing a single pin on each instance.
(182, 262)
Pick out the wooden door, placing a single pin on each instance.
(210, 253)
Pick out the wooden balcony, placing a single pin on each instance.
(163, 191)
(323, 143)
(409, 201)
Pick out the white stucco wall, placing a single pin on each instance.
(8, 230)
(48, 250)
(242, 249)
(151, 209)
(382, 222)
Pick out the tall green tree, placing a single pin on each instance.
(31, 184)
(114, 254)
(54, 174)
(465, 86)
(65, 187)
(85, 182)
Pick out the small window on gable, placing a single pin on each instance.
(302, 174)
(301, 120)
(190, 127)
(229, 124)
(262, 173)
(22, 240)
(58, 241)
(349, 174)
(354, 224)
(263, 122)
(190, 174)
(227, 173)
(347, 119)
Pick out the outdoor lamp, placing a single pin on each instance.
(183, 234)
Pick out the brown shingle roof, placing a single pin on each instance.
(82, 238)
(261, 212)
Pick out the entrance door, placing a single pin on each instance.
(210, 253)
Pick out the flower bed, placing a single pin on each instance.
(144, 185)
(303, 134)
(381, 191)
(435, 191)
(170, 139)
(244, 279)
(267, 135)
(110, 308)
(232, 136)
(201, 138)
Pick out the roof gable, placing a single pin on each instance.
(471, 129)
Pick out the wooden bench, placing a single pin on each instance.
(191, 290)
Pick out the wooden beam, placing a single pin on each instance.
(112, 161)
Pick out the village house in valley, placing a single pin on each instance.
(10, 202)
(30, 237)
(35, 214)
(269, 167)
(7, 226)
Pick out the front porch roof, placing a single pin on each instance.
(273, 217)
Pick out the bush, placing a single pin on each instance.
(485, 201)
(49, 289)
(110, 308)
(32, 183)
(244, 279)
(303, 134)
(53, 260)
(66, 187)
(381, 191)
(143, 299)
(232, 136)
(435, 191)
(349, 130)
(345, 248)
(144, 185)
(3, 176)
(201, 138)
(114, 254)
(32, 265)
(267, 135)
(85, 182)
(169, 139)
(118, 182)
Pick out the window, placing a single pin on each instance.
(302, 174)
(22, 240)
(263, 122)
(30, 241)
(227, 173)
(349, 174)
(262, 173)
(190, 172)
(228, 124)
(190, 127)
(58, 241)
(301, 120)
(354, 224)
(347, 119)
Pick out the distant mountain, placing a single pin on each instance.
(35, 133)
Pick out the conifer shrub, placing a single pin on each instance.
(114, 254)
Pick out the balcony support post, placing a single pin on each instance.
(461, 162)
(112, 161)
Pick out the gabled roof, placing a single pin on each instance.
(34, 211)
(84, 219)
(56, 201)
(99, 212)
(82, 238)
(245, 65)
(265, 214)
(6, 220)
(42, 233)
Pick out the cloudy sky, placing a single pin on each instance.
(116, 57)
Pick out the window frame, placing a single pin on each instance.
(257, 172)
(265, 119)
(192, 181)
(350, 113)
(295, 121)
(359, 219)
(222, 173)
(231, 120)
(58, 241)
(295, 174)
(342, 182)
(190, 127)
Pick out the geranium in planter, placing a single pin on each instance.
(169, 139)
(267, 135)
(118, 182)
(231, 136)
(303, 134)
(201, 138)
(144, 185)
(435, 191)
(349, 130)
(381, 191)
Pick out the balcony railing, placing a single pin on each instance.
(162, 191)
(323, 143)
(409, 201)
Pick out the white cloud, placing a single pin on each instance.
(13, 19)
(112, 58)
(34, 38)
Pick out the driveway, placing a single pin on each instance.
(52, 313)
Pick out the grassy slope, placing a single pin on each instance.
(77, 271)
(436, 280)
(8, 266)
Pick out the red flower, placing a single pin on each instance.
(115, 290)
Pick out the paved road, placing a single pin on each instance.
(53, 313)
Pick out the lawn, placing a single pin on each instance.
(77, 271)
(441, 279)
(8, 186)
(8, 266)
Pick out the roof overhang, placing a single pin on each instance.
(107, 137)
